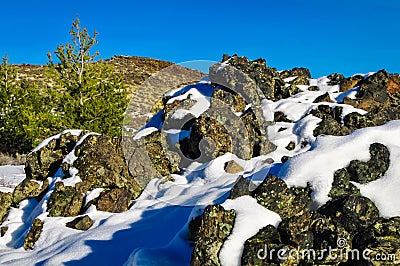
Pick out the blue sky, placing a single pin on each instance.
(325, 36)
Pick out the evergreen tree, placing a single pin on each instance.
(94, 97)
(26, 116)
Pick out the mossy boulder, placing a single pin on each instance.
(275, 195)
(46, 161)
(214, 227)
(262, 249)
(242, 187)
(33, 234)
(114, 200)
(101, 164)
(65, 201)
(81, 223)
(381, 238)
(28, 189)
(354, 213)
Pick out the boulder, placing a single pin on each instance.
(296, 72)
(101, 164)
(242, 187)
(381, 238)
(354, 213)
(114, 200)
(350, 82)
(33, 234)
(262, 249)
(28, 189)
(335, 79)
(214, 227)
(65, 201)
(232, 167)
(81, 223)
(274, 194)
(46, 161)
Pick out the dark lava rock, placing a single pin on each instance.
(284, 159)
(215, 226)
(364, 172)
(331, 123)
(350, 82)
(381, 238)
(3, 230)
(101, 164)
(5, 204)
(281, 117)
(242, 187)
(377, 90)
(262, 249)
(46, 161)
(33, 234)
(65, 201)
(313, 88)
(266, 78)
(360, 172)
(115, 200)
(208, 138)
(291, 146)
(354, 213)
(295, 72)
(335, 79)
(342, 186)
(81, 223)
(232, 99)
(159, 159)
(28, 189)
(295, 230)
(274, 194)
(323, 98)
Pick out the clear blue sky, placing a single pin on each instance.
(349, 36)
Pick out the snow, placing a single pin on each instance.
(11, 176)
(250, 218)
(74, 132)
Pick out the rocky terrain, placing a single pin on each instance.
(248, 160)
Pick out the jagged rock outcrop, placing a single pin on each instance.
(46, 161)
(101, 164)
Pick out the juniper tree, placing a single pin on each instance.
(25, 112)
(94, 97)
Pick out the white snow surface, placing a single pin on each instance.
(155, 229)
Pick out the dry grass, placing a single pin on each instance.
(6, 159)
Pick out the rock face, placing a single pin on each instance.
(33, 234)
(214, 227)
(81, 223)
(233, 167)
